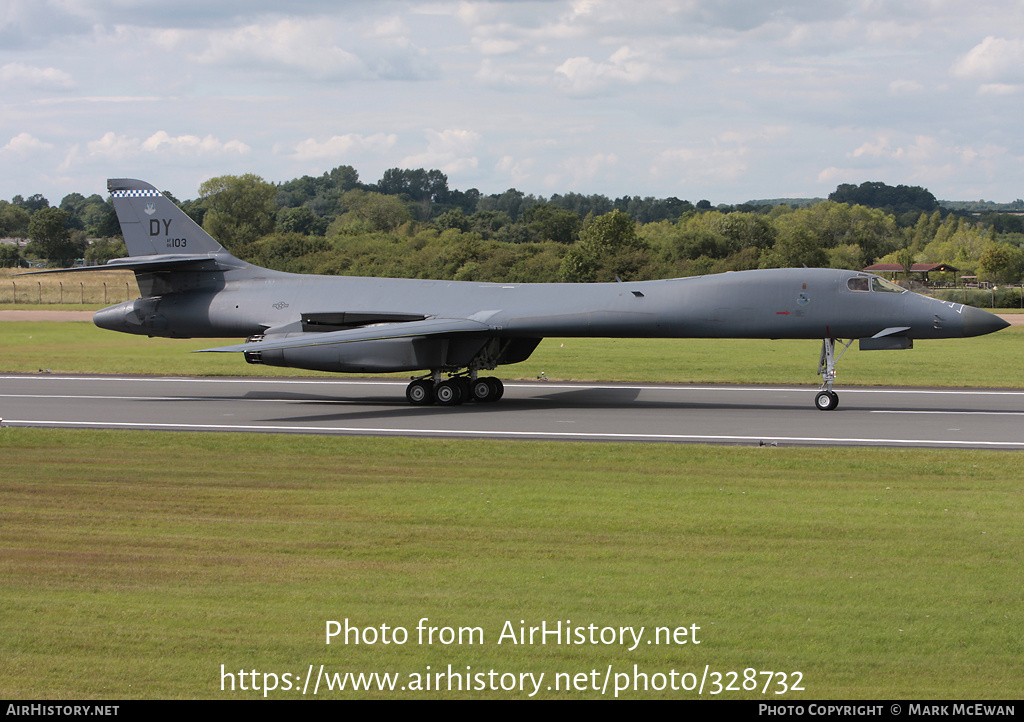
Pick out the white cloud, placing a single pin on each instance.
(114, 147)
(873, 149)
(702, 165)
(490, 74)
(518, 170)
(993, 59)
(923, 160)
(923, 150)
(583, 75)
(315, 48)
(584, 171)
(19, 75)
(23, 145)
(451, 151)
(833, 174)
(496, 46)
(340, 146)
(999, 89)
(725, 158)
(296, 44)
(121, 147)
(393, 28)
(193, 145)
(905, 87)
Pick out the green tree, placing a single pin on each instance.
(513, 202)
(905, 257)
(14, 221)
(74, 204)
(797, 246)
(1003, 263)
(300, 220)
(610, 233)
(376, 211)
(899, 200)
(487, 223)
(104, 249)
(51, 238)
(551, 223)
(239, 209)
(609, 246)
(284, 251)
(455, 218)
(10, 256)
(34, 203)
(422, 187)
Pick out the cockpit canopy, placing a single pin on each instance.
(873, 283)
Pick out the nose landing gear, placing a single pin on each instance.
(827, 399)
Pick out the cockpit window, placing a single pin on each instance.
(883, 286)
(873, 283)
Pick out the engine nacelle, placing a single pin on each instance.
(378, 356)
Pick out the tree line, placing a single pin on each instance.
(411, 224)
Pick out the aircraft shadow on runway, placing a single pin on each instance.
(627, 398)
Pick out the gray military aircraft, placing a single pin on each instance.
(192, 287)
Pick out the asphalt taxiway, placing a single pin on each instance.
(749, 415)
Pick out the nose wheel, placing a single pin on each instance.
(826, 400)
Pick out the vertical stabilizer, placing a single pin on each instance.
(153, 225)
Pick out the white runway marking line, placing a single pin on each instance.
(517, 434)
(955, 413)
(218, 399)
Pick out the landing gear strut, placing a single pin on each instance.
(827, 399)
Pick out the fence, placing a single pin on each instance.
(99, 288)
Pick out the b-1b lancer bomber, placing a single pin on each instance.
(452, 332)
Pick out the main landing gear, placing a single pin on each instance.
(430, 389)
(827, 399)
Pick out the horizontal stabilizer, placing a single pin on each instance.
(426, 327)
(153, 264)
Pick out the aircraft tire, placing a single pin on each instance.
(485, 390)
(499, 387)
(420, 393)
(826, 400)
(448, 393)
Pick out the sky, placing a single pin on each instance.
(724, 100)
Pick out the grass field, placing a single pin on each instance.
(876, 574)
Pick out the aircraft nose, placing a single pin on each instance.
(977, 322)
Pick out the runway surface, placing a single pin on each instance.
(751, 415)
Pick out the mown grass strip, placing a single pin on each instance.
(129, 572)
